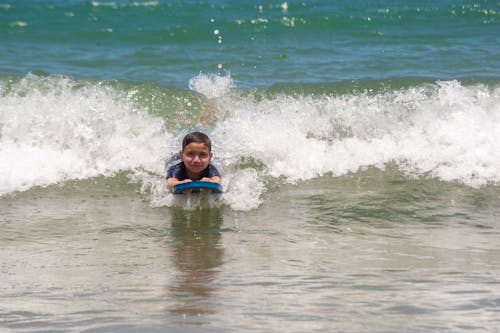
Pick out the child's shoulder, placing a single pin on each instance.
(178, 165)
(212, 171)
(177, 170)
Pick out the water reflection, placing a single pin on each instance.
(197, 254)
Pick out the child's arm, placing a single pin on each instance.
(214, 179)
(172, 181)
(213, 175)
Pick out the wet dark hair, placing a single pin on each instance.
(197, 137)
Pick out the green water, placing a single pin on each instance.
(357, 143)
(361, 253)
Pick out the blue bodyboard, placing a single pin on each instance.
(196, 186)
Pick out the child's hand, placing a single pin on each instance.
(206, 179)
(211, 180)
(186, 191)
(172, 182)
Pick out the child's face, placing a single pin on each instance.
(196, 157)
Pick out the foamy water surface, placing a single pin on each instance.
(55, 129)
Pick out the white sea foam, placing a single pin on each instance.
(211, 85)
(444, 130)
(55, 129)
(52, 131)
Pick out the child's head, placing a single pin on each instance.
(196, 153)
(197, 137)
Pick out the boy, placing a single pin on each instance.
(196, 155)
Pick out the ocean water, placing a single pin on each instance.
(357, 142)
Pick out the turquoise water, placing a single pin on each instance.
(259, 43)
(357, 143)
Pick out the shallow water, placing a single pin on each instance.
(357, 141)
(359, 253)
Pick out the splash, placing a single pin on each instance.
(211, 85)
(442, 130)
(54, 129)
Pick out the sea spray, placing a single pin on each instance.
(443, 130)
(55, 129)
(211, 85)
